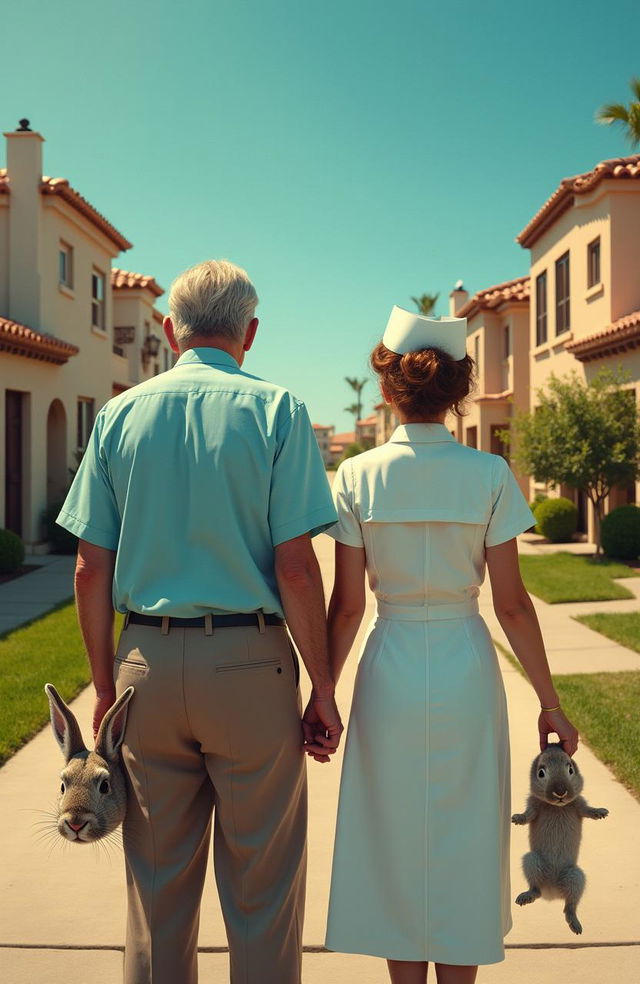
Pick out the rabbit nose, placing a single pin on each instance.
(76, 826)
(560, 793)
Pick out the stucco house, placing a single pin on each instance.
(74, 330)
(324, 437)
(498, 341)
(584, 244)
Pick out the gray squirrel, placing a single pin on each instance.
(554, 811)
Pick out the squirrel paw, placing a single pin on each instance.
(574, 925)
(519, 818)
(526, 897)
(599, 813)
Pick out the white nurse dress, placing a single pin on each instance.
(421, 859)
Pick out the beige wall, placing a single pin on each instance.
(31, 229)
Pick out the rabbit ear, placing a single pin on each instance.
(65, 727)
(111, 731)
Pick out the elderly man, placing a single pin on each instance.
(195, 505)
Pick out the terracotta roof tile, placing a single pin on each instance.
(621, 336)
(21, 340)
(368, 420)
(619, 168)
(493, 297)
(123, 279)
(158, 316)
(322, 426)
(61, 187)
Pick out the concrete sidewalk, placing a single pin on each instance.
(33, 594)
(62, 907)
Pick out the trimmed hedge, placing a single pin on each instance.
(60, 540)
(11, 552)
(557, 519)
(620, 533)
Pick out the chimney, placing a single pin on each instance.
(457, 298)
(24, 171)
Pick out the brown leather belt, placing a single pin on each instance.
(218, 621)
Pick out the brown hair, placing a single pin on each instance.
(424, 383)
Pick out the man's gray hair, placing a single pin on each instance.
(213, 298)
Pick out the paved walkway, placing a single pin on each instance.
(33, 594)
(62, 906)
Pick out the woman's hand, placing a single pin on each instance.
(556, 722)
(322, 727)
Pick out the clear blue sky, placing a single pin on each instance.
(348, 153)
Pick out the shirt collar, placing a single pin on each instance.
(421, 434)
(209, 356)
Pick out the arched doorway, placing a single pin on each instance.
(57, 469)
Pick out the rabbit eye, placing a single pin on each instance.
(62, 787)
(541, 773)
(570, 770)
(104, 786)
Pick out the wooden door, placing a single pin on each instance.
(13, 461)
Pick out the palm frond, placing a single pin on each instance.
(612, 113)
(635, 87)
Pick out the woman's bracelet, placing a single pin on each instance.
(549, 708)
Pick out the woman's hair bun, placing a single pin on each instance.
(424, 383)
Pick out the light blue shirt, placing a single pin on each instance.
(194, 477)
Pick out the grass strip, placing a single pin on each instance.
(621, 627)
(47, 650)
(564, 577)
(604, 709)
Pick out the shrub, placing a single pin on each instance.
(537, 499)
(557, 519)
(620, 531)
(351, 451)
(11, 552)
(60, 540)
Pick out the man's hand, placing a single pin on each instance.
(104, 700)
(322, 727)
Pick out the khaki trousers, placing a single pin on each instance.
(214, 728)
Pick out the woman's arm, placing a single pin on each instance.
(517, 616)
(347, 604)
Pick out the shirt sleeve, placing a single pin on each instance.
(347, 530)
(90, 510)
(300, 499)
(510, 514)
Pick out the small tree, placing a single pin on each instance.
(426, 303)
(628, 117)
(357, 385)
(584, 435)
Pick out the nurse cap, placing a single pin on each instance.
(409, 332)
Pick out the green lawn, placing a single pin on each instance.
(621, 627)
(48, 650)
(569, 577)
(604, 709)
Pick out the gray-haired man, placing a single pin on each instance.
(195, 504)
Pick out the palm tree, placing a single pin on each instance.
(426, 304)
(357, 385)
(627, 116)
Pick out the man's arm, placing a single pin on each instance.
(300, 584)
(93, 582)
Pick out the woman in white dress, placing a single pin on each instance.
(421, 861)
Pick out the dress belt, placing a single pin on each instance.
(426, 613)
(219, 621)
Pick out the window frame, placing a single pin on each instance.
(98, 303)
(594, 252)
(65, 250)
(84, 421)
(542, 323)
(563, 301)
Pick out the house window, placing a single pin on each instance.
(476, 354)
(472, 437)
(507, 341)
(541, 308)
(563, 313)
(85, 421)
(97, 300)
(593, 263)
(65, 265)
